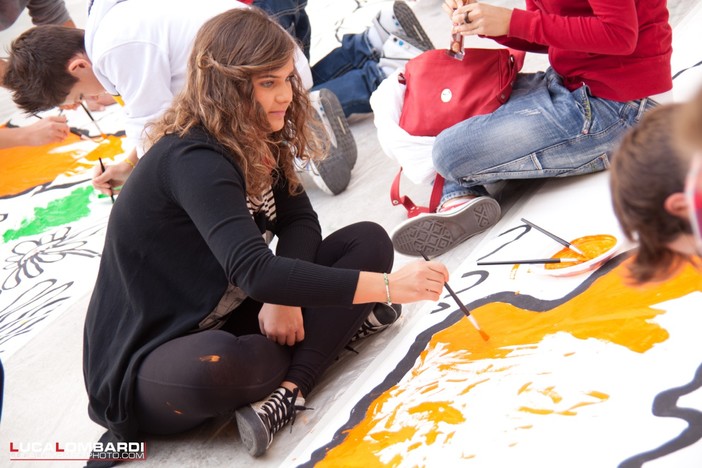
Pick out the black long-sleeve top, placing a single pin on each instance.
(178, 234)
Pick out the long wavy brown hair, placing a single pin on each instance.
(646, 169)
(229, 51)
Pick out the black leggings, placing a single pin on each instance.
(195, 377)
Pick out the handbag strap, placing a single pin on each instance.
(412, 209)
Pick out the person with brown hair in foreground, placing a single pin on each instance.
(648, 184)
(689, 134)
(192, 315)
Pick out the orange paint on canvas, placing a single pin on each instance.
(26, 167)
(611, 310)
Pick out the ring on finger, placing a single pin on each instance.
(466, 17)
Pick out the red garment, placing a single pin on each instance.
(620, 48)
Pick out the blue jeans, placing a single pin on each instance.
(291, 15)
(350, 71)
(544, 130)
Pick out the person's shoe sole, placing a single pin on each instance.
(253, 436)
(436, 233)
(410, 24)
(333, 174)
(345, 142)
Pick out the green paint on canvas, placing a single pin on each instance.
(56, 213)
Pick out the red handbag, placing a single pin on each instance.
(442, 91)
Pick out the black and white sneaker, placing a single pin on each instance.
(380, 318)
(259, 421)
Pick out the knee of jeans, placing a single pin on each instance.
(446, 157)
(438, 155)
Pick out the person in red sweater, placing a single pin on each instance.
(609, 63)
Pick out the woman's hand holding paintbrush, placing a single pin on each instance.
(431, 276)
(107, 178)
(415, 281)
(102, 168)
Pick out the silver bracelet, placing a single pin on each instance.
(387, 289)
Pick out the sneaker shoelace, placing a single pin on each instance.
(376, 321)
(281, 408)
(367, 328)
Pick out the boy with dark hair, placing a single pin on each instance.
(43, 81)
(50, 129)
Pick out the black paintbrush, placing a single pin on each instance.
(533, 260)
(112, 195)
(462, 306)
(555, 237)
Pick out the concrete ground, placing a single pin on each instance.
(45, 399)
